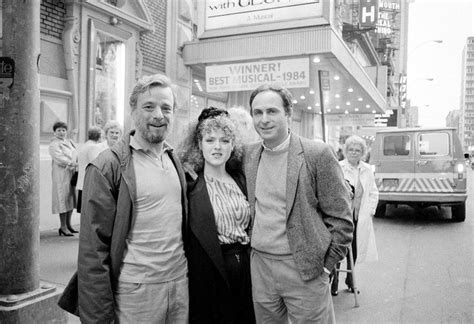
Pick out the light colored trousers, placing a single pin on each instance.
(280, 295)
(159, 303)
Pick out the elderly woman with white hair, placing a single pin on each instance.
(113, 132)
(244, 122)
(360, 176)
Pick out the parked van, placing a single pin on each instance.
(420, 167)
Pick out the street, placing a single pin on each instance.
(424, 273)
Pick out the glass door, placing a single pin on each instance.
(107, 66)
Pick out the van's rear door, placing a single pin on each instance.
(434, 167)
(395, 170)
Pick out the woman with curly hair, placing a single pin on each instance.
(219, 218)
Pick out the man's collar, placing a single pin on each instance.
(135, 144)
(280, 147)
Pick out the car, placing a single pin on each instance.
(420, 167)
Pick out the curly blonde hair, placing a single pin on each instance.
(189, 151)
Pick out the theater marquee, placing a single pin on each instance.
(292, 73)
(221, 14)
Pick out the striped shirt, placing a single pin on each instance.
(231, 211)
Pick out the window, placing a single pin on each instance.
(53, 107)
(108, 73)
(396, 145)
(109, 79)
(434, 144)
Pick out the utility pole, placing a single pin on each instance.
(23, 298)
(323, 80)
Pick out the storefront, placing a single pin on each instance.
(97, 59)
(91, 56)
(243, 44)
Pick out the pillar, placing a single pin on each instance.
(23, 298)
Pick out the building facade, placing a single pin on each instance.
(390, 38)
(342, 59)
(453, 119)
(92, 51)
(341, 79)
(467, 96)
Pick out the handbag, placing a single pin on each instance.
(74, 179)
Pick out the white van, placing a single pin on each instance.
(420, 167)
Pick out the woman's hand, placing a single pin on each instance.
(71, 165)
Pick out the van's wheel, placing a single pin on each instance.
(458, 212)
(381, 208)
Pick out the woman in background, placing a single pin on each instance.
(113, 133)
(366, 195)
(219, 217)
(63, 154)
(244, 123)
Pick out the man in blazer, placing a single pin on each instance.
(301, 216)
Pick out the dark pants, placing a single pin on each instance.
(79, 201)
(335, 274)
(237, 265)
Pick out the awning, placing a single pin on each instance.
(351, 90)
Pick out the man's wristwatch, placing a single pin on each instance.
(326, 270)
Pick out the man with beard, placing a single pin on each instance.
(132, 267)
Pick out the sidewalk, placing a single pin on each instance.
(58, 260)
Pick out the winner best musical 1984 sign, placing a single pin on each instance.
(292, 73)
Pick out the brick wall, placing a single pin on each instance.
(52, 17)
(153, 45)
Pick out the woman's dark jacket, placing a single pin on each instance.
(209, 292)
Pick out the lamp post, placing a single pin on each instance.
(438, 41)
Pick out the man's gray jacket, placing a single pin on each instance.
(319, 219)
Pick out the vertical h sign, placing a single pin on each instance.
(368, 13)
